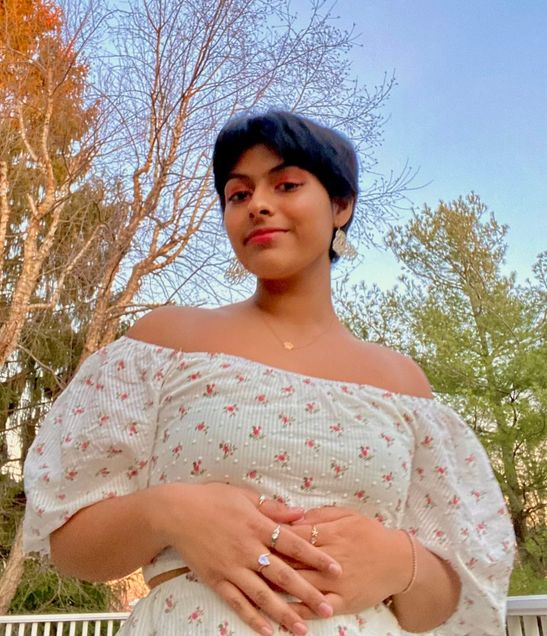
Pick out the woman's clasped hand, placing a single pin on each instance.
(226, 540)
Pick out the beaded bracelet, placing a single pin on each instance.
(389, 600)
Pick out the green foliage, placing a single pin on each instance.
(525, 581)
(42, 591)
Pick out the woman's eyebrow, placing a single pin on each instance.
(239, 175)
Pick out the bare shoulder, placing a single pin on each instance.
(170, 326)
(397, 372)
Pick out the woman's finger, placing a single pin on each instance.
(301, 550)
(334, 600)
(248, 613)
(324, 515)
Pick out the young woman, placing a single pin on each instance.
(269, 471)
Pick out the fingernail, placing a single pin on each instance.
(266, 631)
(334, 568)
(300, 629)
(297, 509)
(326, 610)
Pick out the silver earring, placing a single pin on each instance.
(235, 272)
(342, 246)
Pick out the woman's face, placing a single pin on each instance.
(279, 218)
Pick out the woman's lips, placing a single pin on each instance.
(263, 236)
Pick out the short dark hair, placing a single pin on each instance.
(299, 141)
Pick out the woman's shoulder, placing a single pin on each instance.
(394, 370)
(172, 326)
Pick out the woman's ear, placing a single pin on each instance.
(342, 209)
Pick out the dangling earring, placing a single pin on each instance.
(342, 246)
(235, 272)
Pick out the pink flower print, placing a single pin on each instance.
(429, 503)
(201, 427)
(103, 419)
(176, 450)
(231, 409)
(464, 532)
(99, 387)
(78, 410)
(163, 477)
(279, 498)
(227, 449)
(470, 460)
(441, 470)
(225, 365)
(380, 518)
(158, 376)
(420, 472)
(83, 446)
(502, 511)
(122, 396)
(311, 407)
(388, 479)
(282, 458)
(196, 616)
(477, 494)
(256, 432)
(169, 604)
(142, 463)
(337, 429)
(286, 420)
(307, 484)
(67, 439)
(102, 472)
(387, 395)
(407, 418)
(427, 442)
(194, 376)
(254, 475)
(132, 471)
(364, 453)
(166, 435)
(71, 474)
(268, 373)
(40, 512)
(112, 451)
(439, 535)
(61, 496)
(241, 378)
(261, 399)
(287, 390)
(182, 365)
(39, 450)
(120, 365)
(45, 478)
(183, 410)
(345, 389)
(224, 629)
(210, 390)
(361, 622)
(387, 438)
(361, 496)
(58, 419)
(197, 468)
(342, 630)
(88, 381)
(338, 469)
(133, 429)
(481, 527)
(454, 501)
(471, 563)
(311, 443)
(307, 381)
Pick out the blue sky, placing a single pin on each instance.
(469, 110)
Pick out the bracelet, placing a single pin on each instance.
(414, 562)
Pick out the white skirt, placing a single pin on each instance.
(184, 606)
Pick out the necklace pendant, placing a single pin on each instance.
(288, 345)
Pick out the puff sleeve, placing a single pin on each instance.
(455, 508)
(96, 441)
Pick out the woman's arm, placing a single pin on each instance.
(113, 537)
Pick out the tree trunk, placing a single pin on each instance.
(13, 572)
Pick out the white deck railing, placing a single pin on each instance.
(526, 616)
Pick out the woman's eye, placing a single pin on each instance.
(289, 186)
(238, 197)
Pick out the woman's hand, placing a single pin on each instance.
(220, 532)
(376, 561)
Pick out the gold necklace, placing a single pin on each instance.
(290, 346)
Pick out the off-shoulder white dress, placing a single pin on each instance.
(137, 415)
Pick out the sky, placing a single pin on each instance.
(469, 109)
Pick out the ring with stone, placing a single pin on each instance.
(314, 535)
(263, 561)
(261, 500)
(275, 536)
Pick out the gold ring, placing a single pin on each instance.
(314, 535)
(261, 500)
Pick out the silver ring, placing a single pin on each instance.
(314, 535)
(263, 561)
(275, 536)
(261, 500)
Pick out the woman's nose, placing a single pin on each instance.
(259, 205)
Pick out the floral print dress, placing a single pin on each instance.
(138, 415)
